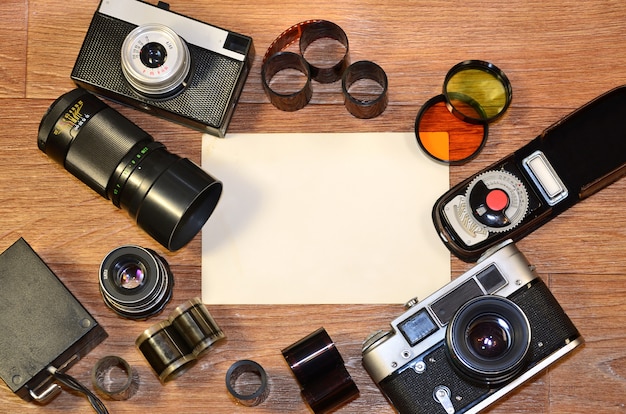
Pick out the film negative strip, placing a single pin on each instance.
(114, 378)
(319, 368)
(241, 392)
(277, 59)
(171, 347)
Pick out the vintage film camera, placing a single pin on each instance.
(164, 63)
(472, 341)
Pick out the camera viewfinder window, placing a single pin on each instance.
(491, 279)
(417, 327)
(236, 43)
(446, 307)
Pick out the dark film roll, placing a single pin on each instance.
(320, 371)
(321, 29)
(165, 349)
(291, 101)
(172, 346)
(369, 107)
(236, 371)
(107, 381)
(200, 329)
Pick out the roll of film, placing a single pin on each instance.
(253, 392)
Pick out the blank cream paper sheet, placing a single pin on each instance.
(322, 218)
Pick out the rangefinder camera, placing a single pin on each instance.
(164, 63)
(472, 341)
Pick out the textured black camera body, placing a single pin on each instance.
(473, 341)
(164, 63)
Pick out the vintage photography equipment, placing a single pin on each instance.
(324, 381)
(364, 83)
(473, 341)
(113, 378)
(568, 162)
(45, 330)
(453, 127)
(173, 66)
(135, 282)
(168, 196)
(172, 346)
(247, 382)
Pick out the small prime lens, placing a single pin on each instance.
(488, 340)
(145, 51)
(168, 196)
(135, 282)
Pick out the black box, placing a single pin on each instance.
(41, 323)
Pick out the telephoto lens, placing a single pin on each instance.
(135, 282)
(168, 196)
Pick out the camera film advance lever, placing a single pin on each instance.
(571, 160)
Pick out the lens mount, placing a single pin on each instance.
(488, 340)
(135, 282)
(155, 61)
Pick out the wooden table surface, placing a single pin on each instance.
(558, 56)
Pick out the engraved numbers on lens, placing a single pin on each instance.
(155, 61)
(497, 200)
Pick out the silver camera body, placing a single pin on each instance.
(164, 63)
(473, 341)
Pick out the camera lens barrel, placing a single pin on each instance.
(488, 340)
(144, 51)
(135, 282)
(168, 196)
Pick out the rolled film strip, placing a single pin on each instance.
(319, 368)
(172, 346)
(368, 107)
(307, 32)
(287, 101)
(241, 392)
(114, 378)
(452, 127)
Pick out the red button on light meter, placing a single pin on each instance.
(497, 200)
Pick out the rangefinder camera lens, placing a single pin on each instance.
(135, 282)
(168, 196)
(155, 61)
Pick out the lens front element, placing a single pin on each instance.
(488, 340)
(489, 336)
(131, 275)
